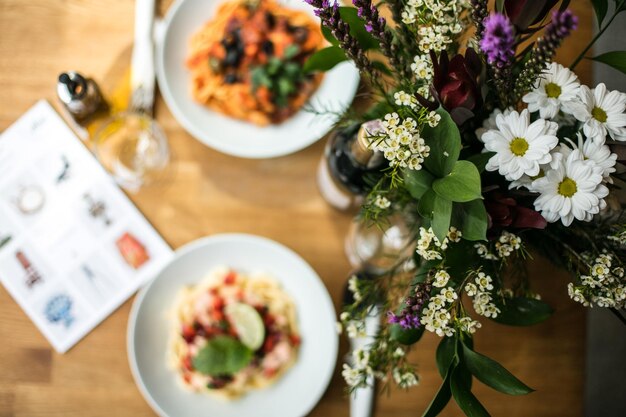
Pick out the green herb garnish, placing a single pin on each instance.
(222, 355)
(281, 76)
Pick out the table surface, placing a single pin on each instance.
(212, 193)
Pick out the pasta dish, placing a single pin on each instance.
(233, 333)
(247, 62)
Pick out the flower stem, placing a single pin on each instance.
(595, 38)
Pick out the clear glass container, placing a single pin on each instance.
(378, 248)
(133, 148)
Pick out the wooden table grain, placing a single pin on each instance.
(212, 193)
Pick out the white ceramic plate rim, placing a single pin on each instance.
(217, 239)
(308, 135)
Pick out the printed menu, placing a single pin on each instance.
(72, 245)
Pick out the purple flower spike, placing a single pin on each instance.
(409, 317)
(563, 23)
(498, 41)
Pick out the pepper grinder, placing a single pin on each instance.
(83, 101)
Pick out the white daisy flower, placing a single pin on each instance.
(490, 122)
(557, 87)
(601, 112)
(520, 146)
(598, 152)
(572, 191)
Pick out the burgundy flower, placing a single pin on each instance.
(525, 13)
(455, 83)
(504, 211)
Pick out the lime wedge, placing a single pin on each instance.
(248, 324)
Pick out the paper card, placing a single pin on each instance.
(72, 245)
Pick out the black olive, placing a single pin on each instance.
(233, 56)
(270, 20)
(230, 78)
(300, 34)
(267, 47)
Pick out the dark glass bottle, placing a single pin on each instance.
(349, 166)
(83, 101)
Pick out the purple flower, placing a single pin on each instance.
(409, 317)
(563, 23)
(498, 41)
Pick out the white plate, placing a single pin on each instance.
(229, 135)
(293, 395)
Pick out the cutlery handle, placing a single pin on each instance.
(142, 64)
(362, 402)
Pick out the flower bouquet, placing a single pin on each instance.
(493, 152)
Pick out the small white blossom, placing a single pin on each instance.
(454, 234)
(404, 379)
(483, 281)
(382, 202)
(471, 289)
(441, 278)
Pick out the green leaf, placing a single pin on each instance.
(522, 311)
(324, 59)
(500, 6)
(442, 398)
(417, 182)
(492, 374)
(600, 7)
(464, 397)
(442, 214)
(405, 336)
(357, 28)
(480, 160)
(291, 51)
(445, 354)
(426, 205)
(615, 59)
(328, 35)
(473, 220)
(222, 355)
(461, 185)
(444, 141)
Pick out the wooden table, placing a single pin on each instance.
(214, 193)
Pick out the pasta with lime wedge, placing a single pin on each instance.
(233, 333)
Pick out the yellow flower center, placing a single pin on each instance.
(519, 146)
(567, 187)
(599, 114)
(553, 90)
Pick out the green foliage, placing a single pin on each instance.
(357, 28)
(461, 185)
(492, 374)
(327, 60)
(615, 59)
(522, 311)
(442, 398)
(445, 356)
(442, 213)
(463, 395)
(405, 336)
(600, 7)
(417, 182)
(471, 218)
(328, 35)
(324, 59)
(222, 355)
(480, 160)
(444, 141)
